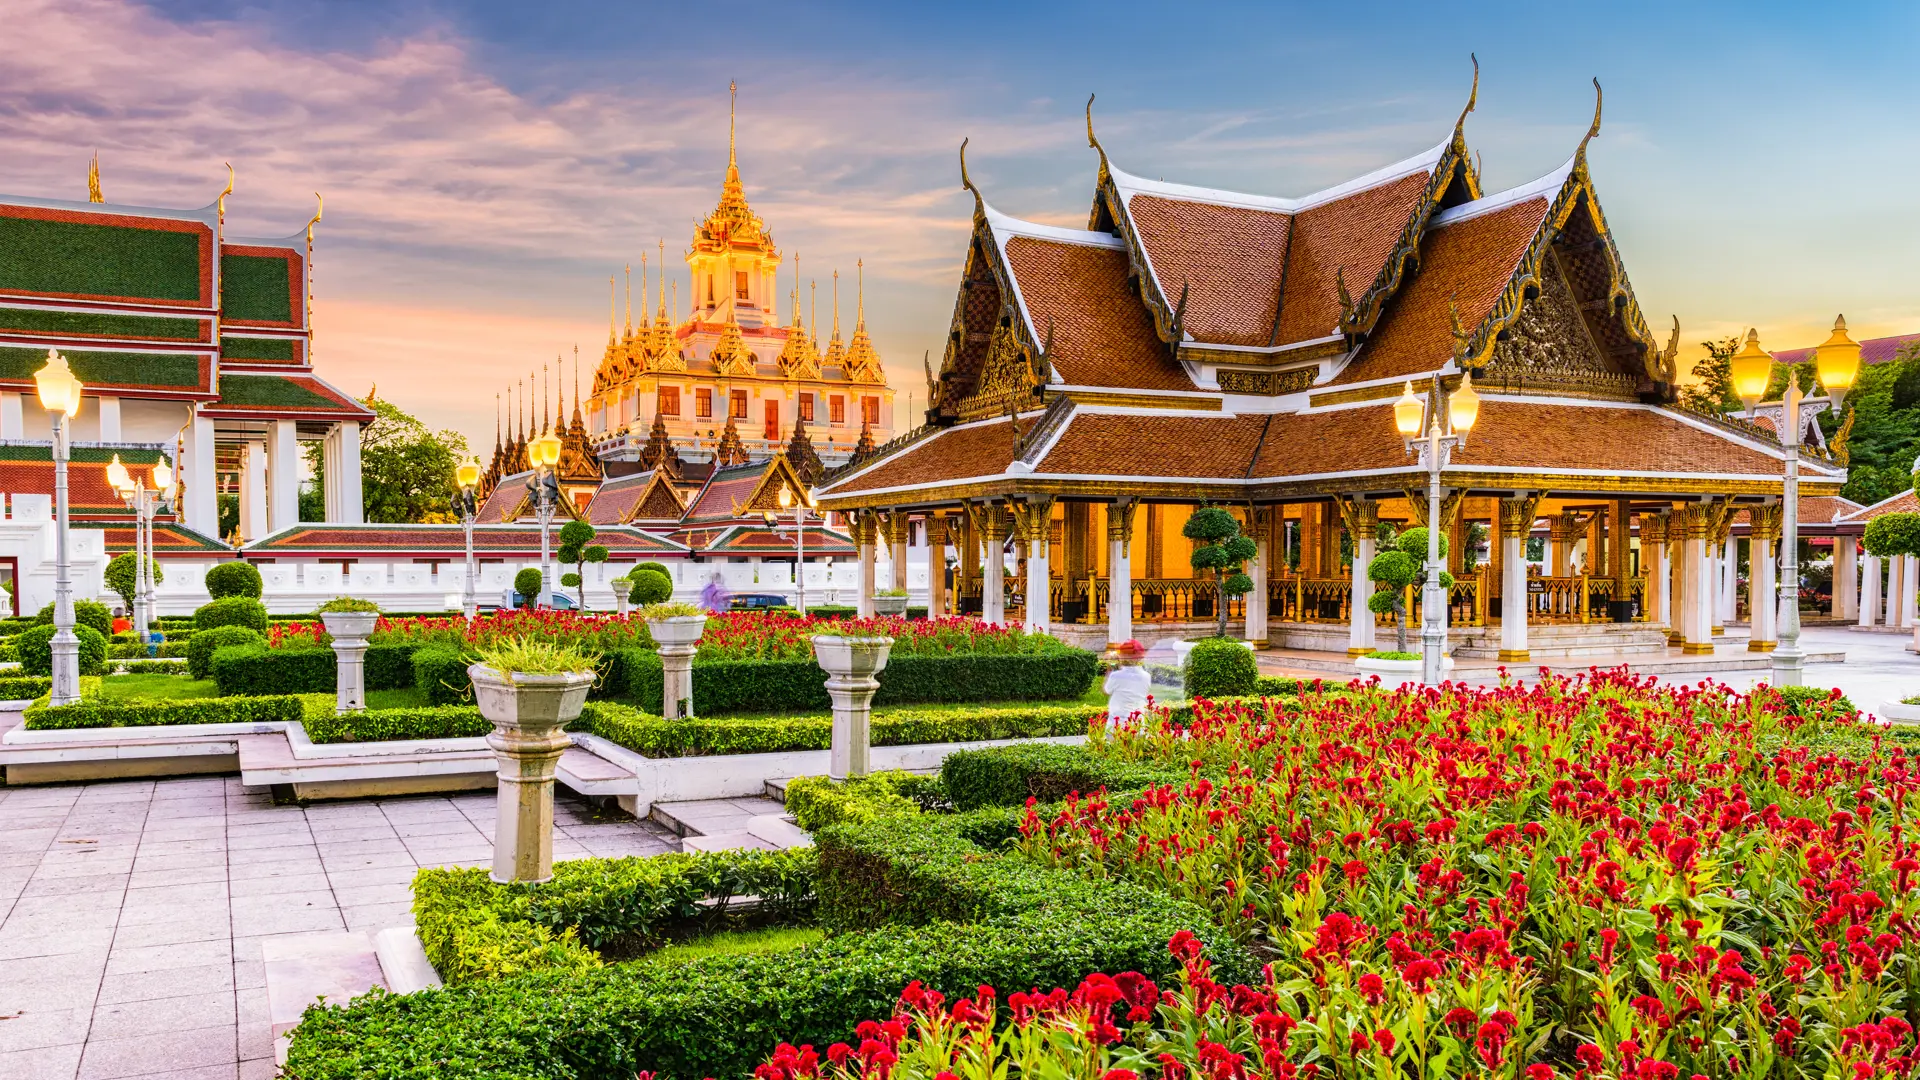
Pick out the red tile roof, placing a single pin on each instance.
(506, 500)
(749, 540)
(1356, 233)
(1079, 296)
(727, 489)
(1872, 351)
(982, 449)
(442, 541)
(1231, 259)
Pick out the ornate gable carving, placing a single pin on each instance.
(1006, 377)
(1549, 345)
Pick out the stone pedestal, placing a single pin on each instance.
(677, 638)
(350, 630)
(622, 598)
(851, 664)
(528, 714)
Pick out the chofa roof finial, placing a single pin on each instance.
(1473, 96)
(1595, 128)
(1093, 140)
(979, 204)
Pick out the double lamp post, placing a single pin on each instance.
(59, 393)
(1436, 450)
(145, 502)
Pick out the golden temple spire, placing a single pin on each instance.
(860, 304)
(576, 386)
(796, 292)
(862, 361)
(613, 311)
(663, 277)
(546, 397)
(93, 180)
(643, 293)
(813, 315)
(733, 99)
(836, 305)
(836, 354)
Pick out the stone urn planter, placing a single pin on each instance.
(622, 597)
(1899, 712)
(851, 664)
(1394, 672)
(678, 638)
(350, 630)
(529, 714)
(889, 605)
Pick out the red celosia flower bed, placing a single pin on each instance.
(1599, 879)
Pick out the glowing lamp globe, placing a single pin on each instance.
(1837, 362)
(118, 476)
(163, 477)
(1463, 407)
(1406, 413)
(467, 474)
(1752, 370)
(786, 497)
(545, 450)
(59, 390)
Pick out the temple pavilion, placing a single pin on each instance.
(1196, 345)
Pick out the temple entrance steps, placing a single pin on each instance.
(1566, 641)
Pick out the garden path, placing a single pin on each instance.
(132, 912)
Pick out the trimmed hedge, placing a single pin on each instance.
(85, 613)
(232, 611)
(35, 649)
(1220, 667)
(99, 714)
(259, 670)
(234, 579)
(721, 686)
(888, 884)
(24, 687)
(654, 736)
(201, 649)
(442, 673)
(383, 725)
(1010, 775)
(817, 802)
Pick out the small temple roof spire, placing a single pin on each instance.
(93, 180)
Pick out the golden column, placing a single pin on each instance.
(1653, 567)
(899, 533)
(936, 565)
(1763, 532)
(1561, 534)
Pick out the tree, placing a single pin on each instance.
(577, 547)
(1221, 549)
(528, 584)
(120, 575)
(1713, 390)
(1399, 566)
(406, 469)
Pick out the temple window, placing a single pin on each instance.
(772, 430)
(703, 402)
(709, 289)
(740, 285)
(806, 407)
(870, 409)
(739, 404)
(669, 401)
(837, 409)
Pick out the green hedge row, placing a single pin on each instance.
(817, 802)
(382, 725)
(24, 687)
(913, 898)
(1010, 775)
(257, 670)
(96, 713)
(654, 736)
(781, 685)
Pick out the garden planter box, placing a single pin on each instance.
(1895, 712)
(889, 605)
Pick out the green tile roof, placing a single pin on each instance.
(172, 370)
(256, 288)
(92, 259)
(101, 324)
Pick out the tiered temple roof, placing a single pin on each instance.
(1197, 343)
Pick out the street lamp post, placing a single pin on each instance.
(1836, 363)
(467, 475)
(145, 502)
(1436, 449)
(59, 393)
(799, 508)
(544, 453)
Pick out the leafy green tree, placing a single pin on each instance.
(120, 575)
(1712, 390)
(1221, 550)
(1893, 534)
(1399, 566)
(577, 547)
(527, 583)
(406, 469)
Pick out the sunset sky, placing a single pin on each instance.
(487, 165)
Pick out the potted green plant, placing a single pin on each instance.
(529, 689)
(1394, 666)
(852, 660)
(676, 630)
(349, 621)
(890, 602)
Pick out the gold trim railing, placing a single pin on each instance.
(1166, 599)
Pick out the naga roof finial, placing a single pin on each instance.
(1092, 140)
(1473, 96)
(979, 204)
(1595, 128)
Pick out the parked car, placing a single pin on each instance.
(757, 601)
(557, 600)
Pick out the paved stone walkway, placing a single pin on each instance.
(132, 912)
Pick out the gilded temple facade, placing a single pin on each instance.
(1192, 345)
(730, 364)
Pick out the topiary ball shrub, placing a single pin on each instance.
(232, 611)
(661, 567)
(527, 584)
(85, 613)
(570, 580)
(650, 587)
(201, 648)
(35, 648)
(1220, 667)
(233, 579)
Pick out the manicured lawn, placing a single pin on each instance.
(176, 687)
(408, 698)
(771, 939)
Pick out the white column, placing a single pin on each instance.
(993, 571)
(1707, 592)
(109, 419)
(1761, 585)
(1257, 599)
(865, 536)
(253, 490)
(343, 476)
(1846, 578)
(1869, 590)
(1513, 593)
(13, 424)
(1910, 581)
(1896, 570)
(199, 502)
(283, 476)
(899, 540)
(1120, 572)
(1728, 558)
(1039, 608)
(1361, 625)
(1677, 609)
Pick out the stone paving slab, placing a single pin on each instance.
(135, 915)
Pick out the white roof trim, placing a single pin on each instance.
(827, 489)
(1132, 185)
(208, 215)
(1500, 200)
(1005, 228)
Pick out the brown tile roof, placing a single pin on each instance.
(1101, 331)
(726, 488)
(505, 500)
(168, 539)
(1872, 350)
(982, 449)
(1601, 438)
(759, 540)
(443, 540)
(1231, 259)
(1357, 232)
(1129, 444)
(1904, 503)
(616, 498)
(1468, 262)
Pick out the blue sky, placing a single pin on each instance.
(487, 165)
